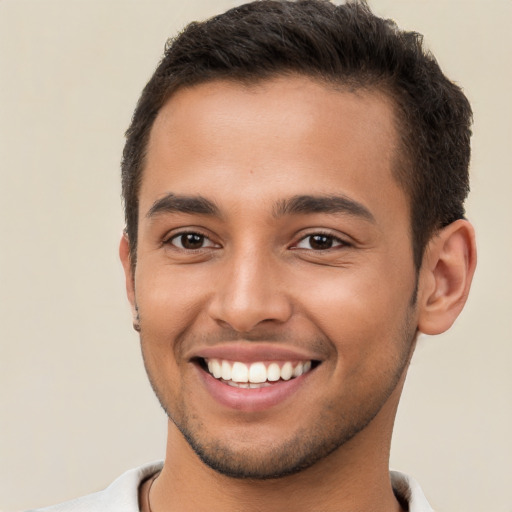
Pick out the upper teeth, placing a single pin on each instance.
(256, 372)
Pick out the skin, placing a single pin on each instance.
(257, 278)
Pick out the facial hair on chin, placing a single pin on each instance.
(310, 444)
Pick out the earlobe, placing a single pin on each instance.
(445, 277)
(124, 255)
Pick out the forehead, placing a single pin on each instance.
(286, 133)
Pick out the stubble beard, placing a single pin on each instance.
(307, 446)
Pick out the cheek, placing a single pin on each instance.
(167, 299)
(167, 310)
(364, 316)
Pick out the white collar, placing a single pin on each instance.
(410, 492)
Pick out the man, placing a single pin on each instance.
(294, 178)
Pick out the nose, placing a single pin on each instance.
(250, 291)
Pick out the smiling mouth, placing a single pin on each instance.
(257, 374)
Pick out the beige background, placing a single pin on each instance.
(75, 408)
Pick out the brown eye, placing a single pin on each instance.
(320, 242)
(191, 241)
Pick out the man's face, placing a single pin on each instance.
(273, 240)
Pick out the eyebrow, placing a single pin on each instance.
(305, 204)
(173, 203)
(296, 205)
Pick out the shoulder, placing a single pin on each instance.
(409, 492)
(120, 496)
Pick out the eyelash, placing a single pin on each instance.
(178, 236)
(333, 240)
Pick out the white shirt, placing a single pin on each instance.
(123, 494)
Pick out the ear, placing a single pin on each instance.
(124, 255)
(445, 277)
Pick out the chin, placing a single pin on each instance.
(264, 459)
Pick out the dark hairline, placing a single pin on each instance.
(401, 159)
(346, 45)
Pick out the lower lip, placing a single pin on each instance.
(251, 400)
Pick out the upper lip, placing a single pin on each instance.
(251, 352)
